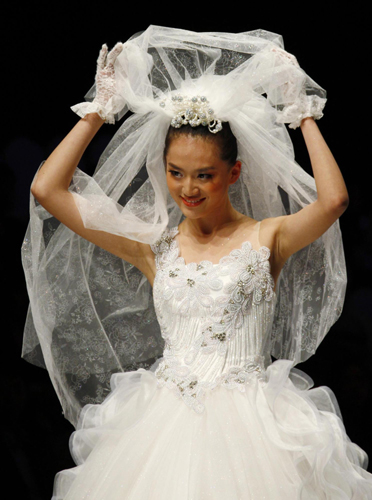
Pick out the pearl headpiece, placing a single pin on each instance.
(194, 110)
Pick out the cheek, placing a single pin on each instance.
(216, 186)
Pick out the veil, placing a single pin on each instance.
(91, 314)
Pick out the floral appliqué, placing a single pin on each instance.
(191, 286)
(251, 283)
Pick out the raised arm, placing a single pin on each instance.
(298, 230)
(50, 186)
(302, 228)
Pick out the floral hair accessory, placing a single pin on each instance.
(194, 110)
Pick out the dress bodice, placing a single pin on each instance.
(215, 318)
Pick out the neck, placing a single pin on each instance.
(209, 226)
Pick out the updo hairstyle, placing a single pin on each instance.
(224, 139)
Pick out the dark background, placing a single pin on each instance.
(49, 52)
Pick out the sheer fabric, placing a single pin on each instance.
(92, 314)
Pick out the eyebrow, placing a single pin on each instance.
(199, 169)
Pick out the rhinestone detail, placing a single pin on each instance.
(193, 110)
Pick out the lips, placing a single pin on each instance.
(192, 203)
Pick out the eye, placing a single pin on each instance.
(203, 177)
(174, 173)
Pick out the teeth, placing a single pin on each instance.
(192, 201)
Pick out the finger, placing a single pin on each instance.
(101, 61)
(113, 54)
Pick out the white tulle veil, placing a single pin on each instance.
(91, 314)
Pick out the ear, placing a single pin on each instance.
(235, 172)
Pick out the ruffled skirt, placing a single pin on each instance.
(280, 439)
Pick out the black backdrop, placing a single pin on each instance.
(49, 52)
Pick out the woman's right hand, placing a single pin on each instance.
(107, 102)
(105, 76)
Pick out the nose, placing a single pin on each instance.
(189, 188)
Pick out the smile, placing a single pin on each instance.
(192, 203)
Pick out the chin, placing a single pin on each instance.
(194, 214)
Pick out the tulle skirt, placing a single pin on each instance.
(278, 440)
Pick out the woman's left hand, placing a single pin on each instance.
(297, 104)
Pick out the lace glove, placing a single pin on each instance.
(302, 105)
(106, 102)
(305, 106)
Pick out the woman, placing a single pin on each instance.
(229, 289)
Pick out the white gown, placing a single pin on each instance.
(215, 418)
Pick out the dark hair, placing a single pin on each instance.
(224, 139)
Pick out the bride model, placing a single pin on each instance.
(197, 252)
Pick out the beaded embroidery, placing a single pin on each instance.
(194, 111)
(190, 287)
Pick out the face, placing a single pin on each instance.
(197, 179)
